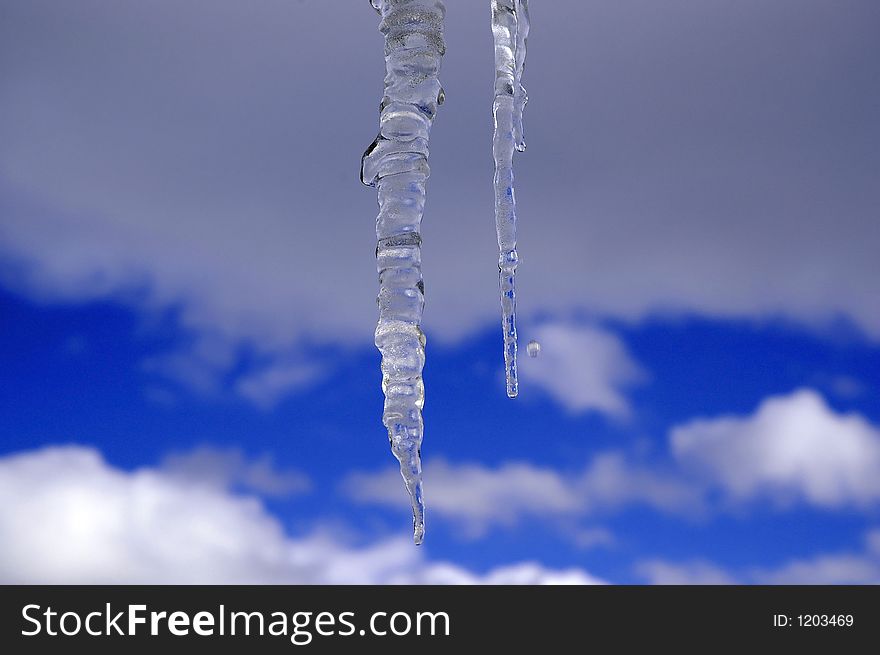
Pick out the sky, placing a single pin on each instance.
(188, 386)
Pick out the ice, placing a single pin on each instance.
(396, 163)
(510, 29)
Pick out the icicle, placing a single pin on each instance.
(397, 164)
(510, 27)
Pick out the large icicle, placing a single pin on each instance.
(510, 27)
(397, 164)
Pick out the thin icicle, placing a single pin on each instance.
(510, 28)
(397, 164)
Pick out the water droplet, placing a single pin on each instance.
(441, 97)
(534, 348)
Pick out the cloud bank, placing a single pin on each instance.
(794, 450)
(154, 156)
(66, 517)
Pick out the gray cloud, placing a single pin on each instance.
(719, 159)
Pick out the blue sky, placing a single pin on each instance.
(187, 299)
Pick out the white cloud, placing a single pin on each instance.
(267, 386)
(150, 527)
(826, 569)
(696, 572)
(199, 365)
(612, 481)
(794, 447)
(532, 573)
(207, 359)
(478, 497)
(229, 468)
(586, 538)
(852, 567)
(582, 367)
